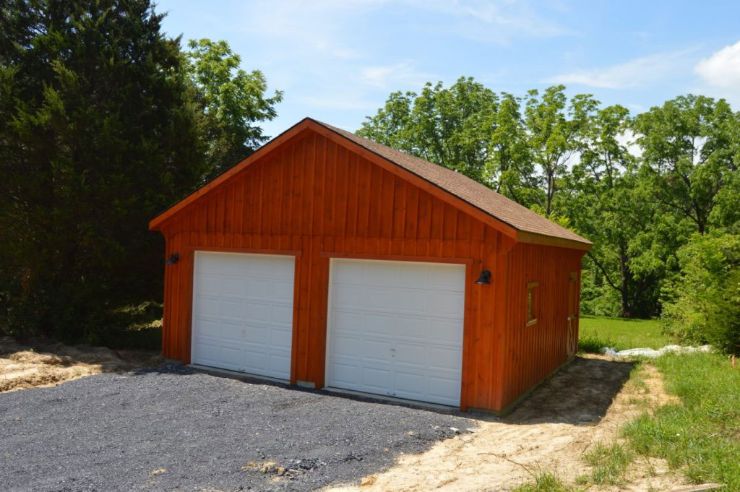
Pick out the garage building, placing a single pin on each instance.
(327, 260)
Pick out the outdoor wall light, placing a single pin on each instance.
(172, 259)
(484, 278)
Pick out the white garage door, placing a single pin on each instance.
(396, 329)
(243, 312)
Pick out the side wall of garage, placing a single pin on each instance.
(533, 350)
(317, 200)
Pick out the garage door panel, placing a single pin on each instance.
(441, 391)
(282, 315)
(253, 288)
(374, 349)
(444, 331)
(412, 327)
(231, 286)
(377, 378)
(441, 357)
(445, 303)
(256, 333)
(348, 346)
(278, 362)
(230, 309)
(243, 312)
(209, 284)
(348, 374)
(209, 305)
(346, 317)
(281, 290)
(411, 385)
(408, 276)
(446, 279)
(218, 329)
(258, 311)
(363, 347)
(281, 338)
(348, 298)
(254, 361)
(388, 321)
(211, 352)
(379, 324)
(411, 353)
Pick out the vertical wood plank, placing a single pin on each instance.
(313, 197)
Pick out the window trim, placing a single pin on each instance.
(531, 301)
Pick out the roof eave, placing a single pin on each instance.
(559, 242)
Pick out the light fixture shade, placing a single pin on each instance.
(484, 278)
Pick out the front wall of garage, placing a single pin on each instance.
(315, 199)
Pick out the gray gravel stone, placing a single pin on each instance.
(177, 429)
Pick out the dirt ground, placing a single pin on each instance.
(584, 404)
(48, 364)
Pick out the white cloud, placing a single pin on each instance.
(633, 73)
(397, 76)
(722, 68)
(494, 21)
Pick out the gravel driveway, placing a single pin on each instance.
(174, 428)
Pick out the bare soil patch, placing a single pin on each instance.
(583, 404)
(43, 363)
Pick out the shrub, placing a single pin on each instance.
(702, 305)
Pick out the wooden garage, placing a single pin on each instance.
(328, 260)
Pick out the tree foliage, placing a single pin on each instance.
(640, 187)
(231, 101)
(703, 305)
(553, 127)
(605, 205)
(101, 127)
(690, 150)
(450, 126)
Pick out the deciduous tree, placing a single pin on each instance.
(232, 102)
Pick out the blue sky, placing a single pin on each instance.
(337, 61)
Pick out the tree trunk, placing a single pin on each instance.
(626, 277)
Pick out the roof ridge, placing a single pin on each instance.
(517, 215)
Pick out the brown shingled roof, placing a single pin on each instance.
(472, 192)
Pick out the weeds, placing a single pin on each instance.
(592, 344)
(609, 464)
(544, 482)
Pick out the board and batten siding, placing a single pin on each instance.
(533, 352)
(315, 199)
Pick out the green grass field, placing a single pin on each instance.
(620, 333)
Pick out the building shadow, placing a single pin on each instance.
(579, 393)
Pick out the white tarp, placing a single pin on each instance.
(652, 353)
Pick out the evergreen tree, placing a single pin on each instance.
(98, 133)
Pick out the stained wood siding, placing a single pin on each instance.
(315, 199)
(533, 352)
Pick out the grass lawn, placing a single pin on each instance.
(620, 333)
(701, 435)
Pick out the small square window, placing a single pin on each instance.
(532, 303)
